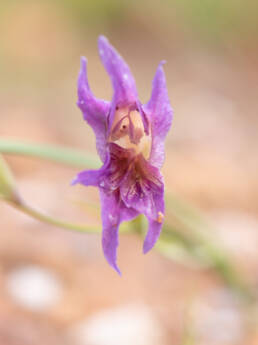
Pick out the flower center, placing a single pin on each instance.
(128, 132)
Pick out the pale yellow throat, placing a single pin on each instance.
(125, 120)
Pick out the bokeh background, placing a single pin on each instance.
(55, 286)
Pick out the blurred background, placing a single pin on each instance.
(55, 286)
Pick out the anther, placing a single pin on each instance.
(160, 217)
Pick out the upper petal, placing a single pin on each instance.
(160, 113)
(95, 111)
(122, 80)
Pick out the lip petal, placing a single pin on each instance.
(143, 189)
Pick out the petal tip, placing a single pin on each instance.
(160, 69)
(83, 60)
(117, 270)
(113, 264)
(109, 246)
(102, 39)
(83, 65)
(103, 43)
(74, 181)
(147, 247)
(83, 72)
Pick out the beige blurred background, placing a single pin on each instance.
(55, 287)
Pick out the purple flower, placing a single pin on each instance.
(130, 142)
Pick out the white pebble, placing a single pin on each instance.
(127, 325)
(33, 287)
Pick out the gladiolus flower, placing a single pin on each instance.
(130, 142)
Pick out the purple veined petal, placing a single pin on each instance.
(124, 87)
(142, 187)
(95, 111)
(160, 114)
(113, 212)
(146, 195)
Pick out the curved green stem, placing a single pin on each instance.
(7, 183)
(51, 152)
(32, 212)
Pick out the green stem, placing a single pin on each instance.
(51, 152)
(7, 183)
(26, 209)
(32, 212)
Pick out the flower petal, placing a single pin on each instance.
(92, 177)
(87, 178)
(113, 212)
(142, 187)
(152, 235)
(123, 82)
(110, 225)
(146, 195)
(125, 93)
(160, 113)
(95, 111)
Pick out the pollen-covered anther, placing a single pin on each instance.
(160, 217)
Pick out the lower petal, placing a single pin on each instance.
(155, 223)
(152, 235)
(110, 225)
(113, 212)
